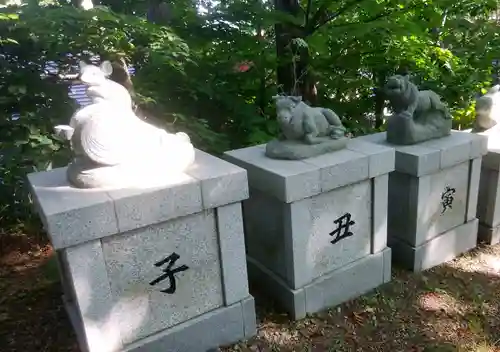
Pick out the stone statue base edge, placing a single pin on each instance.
(325, 292)
(438, 250)
(223, 326)
(297, 150)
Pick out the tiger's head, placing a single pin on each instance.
(396, 85)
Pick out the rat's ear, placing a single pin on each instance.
(106, 68)
(82, 64)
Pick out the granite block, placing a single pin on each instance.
(417, 160)
(85, 265)
(71, 216)
(76, 323)
(249, 317)
(438, 250)
(312, 230)
(134, 260)
(330, 290)
(488, 207)
(416, 210)
(430, 156)
(348, 282)
(454, 149)
(387, 264)
(473, 190)
(264, 235)
(488, 235)
(287, 180)
(221, 182)
(222, 326)
(293, 180)
(479, 145)
(402, 189)
(380, 192)
(492, 160)
(382, 158)
(136, 208)
(291, 301)
(489, 196)
(232, 253)
(340, 168)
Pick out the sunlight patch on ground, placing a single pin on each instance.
(440, 302)
(278, 335)
(485, 262)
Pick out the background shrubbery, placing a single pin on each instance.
(212, 73)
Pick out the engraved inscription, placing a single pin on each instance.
(169, 272)
(342, 231)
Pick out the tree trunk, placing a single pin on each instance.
(292, 59)
(159, 12)
(379, 98)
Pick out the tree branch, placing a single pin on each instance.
(308, 12)
(321, 18)
(383, 14)
(316, 17)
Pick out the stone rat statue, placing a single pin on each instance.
(305, 131)
(115, 148)
(418, 115)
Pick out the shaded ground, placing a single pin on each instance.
(454, 307)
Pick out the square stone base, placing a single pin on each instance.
(334, 288)
(438, 250)
(488, 234)
(222, 326)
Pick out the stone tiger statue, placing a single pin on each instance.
(418, 115)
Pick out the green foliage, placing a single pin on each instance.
(213, 74)
(31, 38)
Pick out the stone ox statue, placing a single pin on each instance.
(418, 115)
(305, 131)
(113, 147)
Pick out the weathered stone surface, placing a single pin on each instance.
(432, 192)
(431, 156)
(222, 326)
(131, 265)
(488, 235)
(297, 150)
(438, 250)
(292, 180)
(71, 216)
(310, 228)
(332, 289)
(232, 252)
(221, 182)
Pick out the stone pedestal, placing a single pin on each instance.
(488, 207)
(433, 198)
(158, 269)
(316, 229)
